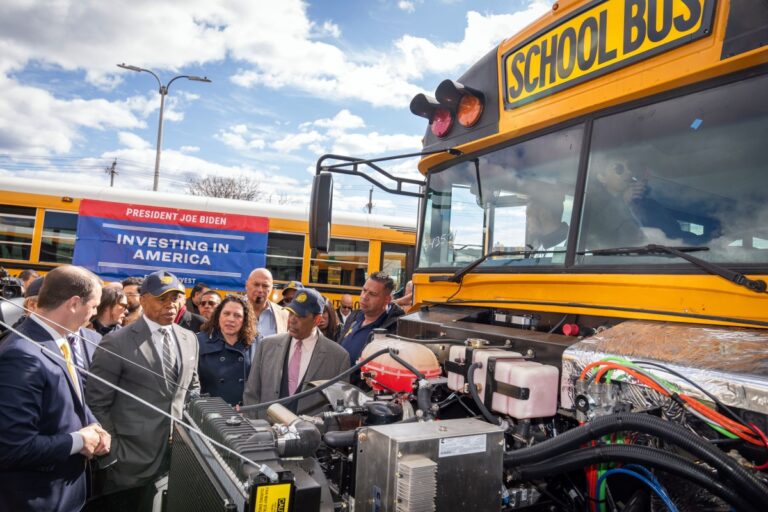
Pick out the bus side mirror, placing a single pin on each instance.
(320, 209)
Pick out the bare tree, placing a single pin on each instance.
(243, 188)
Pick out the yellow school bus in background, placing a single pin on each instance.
(38, 223)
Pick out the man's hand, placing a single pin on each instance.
(636, 190)
(91, 441)
(105, 440)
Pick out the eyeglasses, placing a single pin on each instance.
(123, 305)
(208, 303)
(346, 307)
(620, 168)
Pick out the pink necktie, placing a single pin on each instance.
(294, 368)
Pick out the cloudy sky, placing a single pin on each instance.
(291, 81)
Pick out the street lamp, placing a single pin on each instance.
(163, 92)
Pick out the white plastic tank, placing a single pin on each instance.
(540, 380)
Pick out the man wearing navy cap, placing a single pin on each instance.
(289, 292)
(284, 362)
(166, 369)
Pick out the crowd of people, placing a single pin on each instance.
(94, 373)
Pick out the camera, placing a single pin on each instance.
(10, 287)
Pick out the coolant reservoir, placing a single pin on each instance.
(537, 385)
(458, 355)
(388, 374)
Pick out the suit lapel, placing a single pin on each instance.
(317, 359)
(31, 329)
(183, 344)
(282, 351)
(142, 336)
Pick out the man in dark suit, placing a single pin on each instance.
(47, 430)
(284, 362)
(165, 371)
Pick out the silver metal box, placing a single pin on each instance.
(468, 454)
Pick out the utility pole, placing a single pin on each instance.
(370, 201)
(112, 172)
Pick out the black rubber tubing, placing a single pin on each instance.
(636, 454)
(311, 391)
(489, 417)
(633, 422)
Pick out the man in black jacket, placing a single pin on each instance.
(377, 311)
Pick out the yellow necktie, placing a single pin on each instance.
(71, 367)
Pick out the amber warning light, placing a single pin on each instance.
(452, 101)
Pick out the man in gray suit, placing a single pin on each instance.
(166, 370)
(284, 362)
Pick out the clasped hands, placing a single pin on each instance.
(96, 440)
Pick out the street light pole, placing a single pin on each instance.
(163, 90)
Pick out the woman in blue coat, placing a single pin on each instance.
(225, 349)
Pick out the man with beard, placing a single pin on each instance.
(131, 287)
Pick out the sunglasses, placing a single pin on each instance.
(208, 303)
(346, 307)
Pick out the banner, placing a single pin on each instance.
(119, 240)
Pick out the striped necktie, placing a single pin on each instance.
(169, 361)
(77, 355)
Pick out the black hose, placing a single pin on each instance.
(329, 382)
(340, 438)
(424, 400)
(490, 418)
(406, 364)
(668, 431)
(428, 341)
(635, 454)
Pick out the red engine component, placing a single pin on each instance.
(389, 375)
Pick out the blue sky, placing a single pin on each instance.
(291, 81)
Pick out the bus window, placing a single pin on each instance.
(59, 234)
(346, 264)
(395, 261)
(689, 171)
(16, 226)
(285, 254)
(521, 196)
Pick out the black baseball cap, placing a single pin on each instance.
(161, 282)
(307, 301)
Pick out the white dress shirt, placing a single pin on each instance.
(307, 347)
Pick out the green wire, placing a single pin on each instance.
(667, 384)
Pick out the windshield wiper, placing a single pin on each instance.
(457, 276)
(756, 285)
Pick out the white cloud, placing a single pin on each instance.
(405, 5)
(374, 143)
(344, 120)
(239, 137)
(33, 121)
(189, 149)
(381, 79)
(296, 141)
(329, 29)
(132, 141)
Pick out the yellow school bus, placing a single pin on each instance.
(602, 132)
(38, 230)
(593, 236)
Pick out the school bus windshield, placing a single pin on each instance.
(686, 171)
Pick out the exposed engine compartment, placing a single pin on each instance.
(477, 409)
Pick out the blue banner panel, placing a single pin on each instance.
(114, 249)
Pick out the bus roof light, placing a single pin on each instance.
(440, 116)
(465, 101)
(441, 122)
(424, 106)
